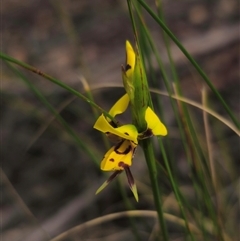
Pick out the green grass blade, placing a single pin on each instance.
(153, 173)
(190, 58)
(55, 81)
(70, 131)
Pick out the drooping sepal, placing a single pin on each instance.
(110, 179)
(131, 182)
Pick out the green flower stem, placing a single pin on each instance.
(193, 62)
(55, 81)
(152, 168)
(175, 189)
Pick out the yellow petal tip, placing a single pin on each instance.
(130, 59)
(154, 123)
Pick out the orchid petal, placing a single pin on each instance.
(134, 191)
(130, 59)
(154, 123)
(128, 132)
(118, 157)
(120, 106)
(131, 182)
(110, 179)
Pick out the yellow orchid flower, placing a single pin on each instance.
(119, 157)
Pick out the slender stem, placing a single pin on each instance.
(153, 173)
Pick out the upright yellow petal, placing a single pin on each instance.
(154, 123)
(130, 59)
(120, 106)
(128, 71)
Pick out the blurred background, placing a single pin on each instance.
(49, 181)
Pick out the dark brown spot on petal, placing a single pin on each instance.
(111, 159)
(120, 164)
(127, 67)
(123, 165)
(113, 124)
(146, 134)
(126, 133)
